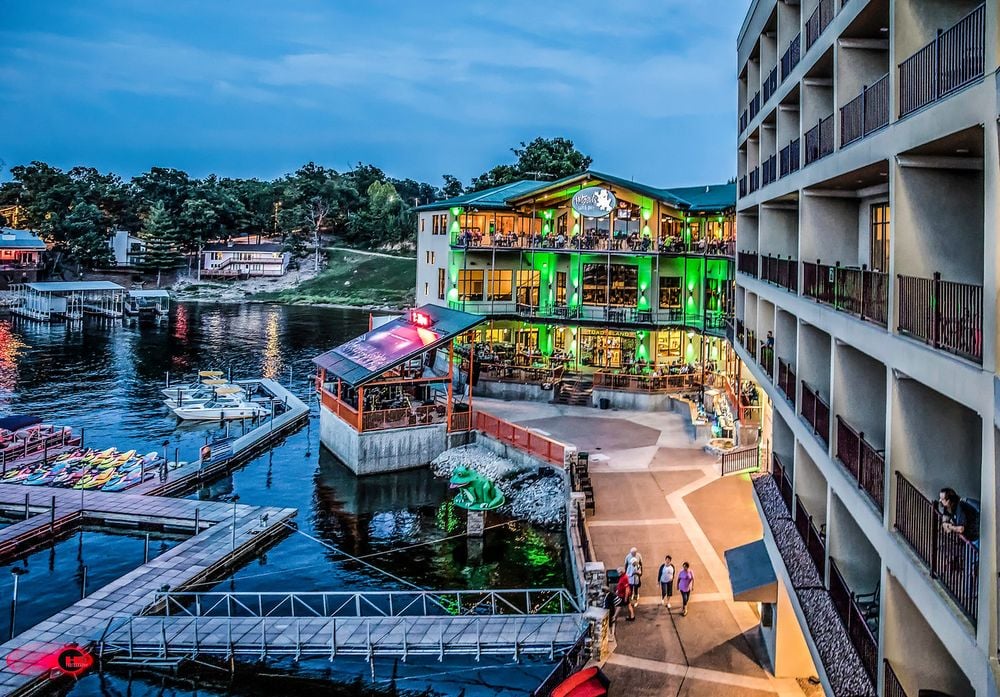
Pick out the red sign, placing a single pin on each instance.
(40, 659)
(421, 319)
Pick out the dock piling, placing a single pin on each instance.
(27, 513)
(197, 521)
(52, 520)
(83, 584)
(145, 550)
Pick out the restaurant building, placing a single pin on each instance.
(591, 282)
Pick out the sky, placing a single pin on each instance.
(255, 88)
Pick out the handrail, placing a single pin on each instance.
(520, 437)
(863, 460)
(652, 384)
(948, 315)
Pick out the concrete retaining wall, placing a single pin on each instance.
(634, 401)
(512, 391)
(518, 456)
(377, 452)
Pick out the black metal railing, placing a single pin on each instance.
(766, 358)
(816, 411)
(860, 292)
(813, 536)
(790, 58)
(742, 460)
(818, 21)
(893, 688)
(952, 559)
(747, 262)
(770, 85)
(866, 113)
(570, 662)
(743, 186)
(744, 121)
(754, 106)
(855, 622)
(789, 158)
(945, 314)
(786, 380)
(952, 60)
(769, 170)
(783, 479)
(754, 180)
(864, 461)
(780, 272)
(819, 140)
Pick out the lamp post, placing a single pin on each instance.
(16, 572)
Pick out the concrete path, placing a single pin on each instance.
(656, 489)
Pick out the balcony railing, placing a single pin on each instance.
(744, 121)
(782, 479)
(855, 620)
(952, 559)
(754, 107)
(786, 380)
(790, 58)
(945, 314)
(647, 384)
(893, 688)
(780, 272)
(743, 186)
(747, 262)
(790, 157)
(770, 85)
(866, 113)
(767, 359)
(816, 411)
(819, 140)
(818, 21)
(769, 170)
(860, 292)
(754, 180)
(864, 461)
(952, 60)
(814, 536)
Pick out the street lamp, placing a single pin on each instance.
(16, 572)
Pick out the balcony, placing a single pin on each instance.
(860, 292)
(754, 106)
(859, 615)
(951, 61)
(818, 21)
(789, 160)
(743, 186)
(865, 463)
(786, 380)
(944, 314)
(952, 559)
(770, 84)
(747, 262)
(814, 536)
(816, 413)
(819, 140)
(780, 272)
(782, 479)
(754, 180)
(866, 113)
(767, 359)
(790, 58)
(769, 170)
(744, 121)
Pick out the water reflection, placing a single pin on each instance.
(10, 350)
(271, 367)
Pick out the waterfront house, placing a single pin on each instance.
(20, 256)
(234, 259)
(128, 249)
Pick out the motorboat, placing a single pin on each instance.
(205, 378)
(203, 395)
(222, 410)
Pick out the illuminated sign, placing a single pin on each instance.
(594, 202)
(421, 319)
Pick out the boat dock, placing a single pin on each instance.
(227, 534)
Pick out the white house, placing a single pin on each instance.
(128, 249)
(233, 260)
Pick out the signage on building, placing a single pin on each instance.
(594, 202)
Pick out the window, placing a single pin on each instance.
(671, 227)
(441, 284)
(427, 289)
(439, 224)
(880, 237)
(501, 284)
(527, 287)
(624, 285)
(670, 292)
(429, 257)
(470, 284)
(595, 284)
(560, 287)
(423, 223)
(627, 219)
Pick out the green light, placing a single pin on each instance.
(646, 213)
(456, 211)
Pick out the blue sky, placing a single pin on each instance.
(255, 88)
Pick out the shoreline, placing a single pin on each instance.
(183, 298)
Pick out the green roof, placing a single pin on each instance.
(714, 197)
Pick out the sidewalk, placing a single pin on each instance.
(656, 489)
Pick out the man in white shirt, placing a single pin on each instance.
(633, 568)
(666, 579)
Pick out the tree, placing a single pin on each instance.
(452, 186)
(87, 236)
(197, 222)
(385, 220)
(542, 158)
(161, 238)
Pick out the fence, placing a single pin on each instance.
(865, 463)
(747, 262)
(860, 292)
(819, 140)
(945, 314)
(951, 558)
(816, 412)
(786, 380)
(781, 272)
(893, 688)
(521, 438)
(855, 624)
(953, 59)
(811, 535)
(818, 21)
(740, 461)
(651, 384)
(780, 474)
(790, 58)
(789, 159)
(866, 113)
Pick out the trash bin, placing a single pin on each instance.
(604, 403)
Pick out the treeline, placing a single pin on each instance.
(76, 211)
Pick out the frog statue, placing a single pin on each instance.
(475, 492)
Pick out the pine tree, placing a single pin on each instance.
(160, 234)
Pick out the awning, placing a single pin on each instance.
(374, 353)
(751, 574)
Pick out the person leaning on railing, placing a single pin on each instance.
(958, 515)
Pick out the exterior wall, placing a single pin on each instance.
(433, 252)
(512, 391)
(378, 452)
(230, 263)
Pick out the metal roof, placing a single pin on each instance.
(73, 286)
(374, 353)
(19, 239)
(714, 197)
(149, 293)
(492, 198)
(751, 574)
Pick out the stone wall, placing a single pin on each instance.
(377, 452)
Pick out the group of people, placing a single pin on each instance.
(592, 239)
(625, 594)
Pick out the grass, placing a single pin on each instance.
(352, 278)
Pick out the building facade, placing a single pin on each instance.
(20, 256)
(639, 281)
(128, 249)
(236, 260)
(866, 285)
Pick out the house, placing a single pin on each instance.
(128, 249)
(20, 249)
(235, 260)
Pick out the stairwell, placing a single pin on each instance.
(574, 392)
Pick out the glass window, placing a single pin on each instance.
(501, 284)
(880, 237)
(595, 284)
(670, 292)
(624, 285)
(441, 284)
(670, 228)
(528, 283)
(627, 219)
(560, 287)
(470, 284)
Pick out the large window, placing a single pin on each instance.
(622, 290)
(470, 284)
(441, 284)
(671, 228)
(627, 219)
(560, 287)
(880, 237)
(528, 283)
(670, 292)
(501, 284)
(595, 284)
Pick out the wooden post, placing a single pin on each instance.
(361, 408)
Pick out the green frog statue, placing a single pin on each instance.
(475, 492)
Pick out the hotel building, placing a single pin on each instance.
(606, 280)
(868, 254)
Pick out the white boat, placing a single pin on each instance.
(186, 389)
(223, 410)
(225, 393)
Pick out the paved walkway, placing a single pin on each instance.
(656, 489)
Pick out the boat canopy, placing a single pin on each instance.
(17, 421)
(215, 382)
(228, 389)
(210, 373)
(378, 351)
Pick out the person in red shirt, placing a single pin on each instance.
(623, 592)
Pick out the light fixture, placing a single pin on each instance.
(962, 151)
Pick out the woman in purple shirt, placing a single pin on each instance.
(685, 584)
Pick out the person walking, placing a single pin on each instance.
(666, 579)
(623, 593)
(633, 569)
(685, 584)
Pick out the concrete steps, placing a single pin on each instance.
(574, 393)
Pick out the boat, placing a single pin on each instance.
(221, 411)
(201, 396)
(116, 461)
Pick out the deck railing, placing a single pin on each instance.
(784, 481)
(789, 157)
(786, 380)
(893, 688)
(748, 263)
(741, 460)
(860, 292)
(812, 535)
(945, 314)
(818, 21)
(866, 113)
(525, 375)
(754, 179)
(424, 415)
(743, 186)
(521, 438)
(952, 559)
(766, 357)
(770, 85)
(769, 170)
(754, 106)
(744, 120)
(781, 272)
(648, 384)
(790, 58)
(864, 461)
(816, 412)
(953, 59)
(855, 624)
(819, 140)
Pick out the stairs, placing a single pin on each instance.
(574, 392)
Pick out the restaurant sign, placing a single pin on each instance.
(594, 202)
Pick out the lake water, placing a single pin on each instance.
(107, 380)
